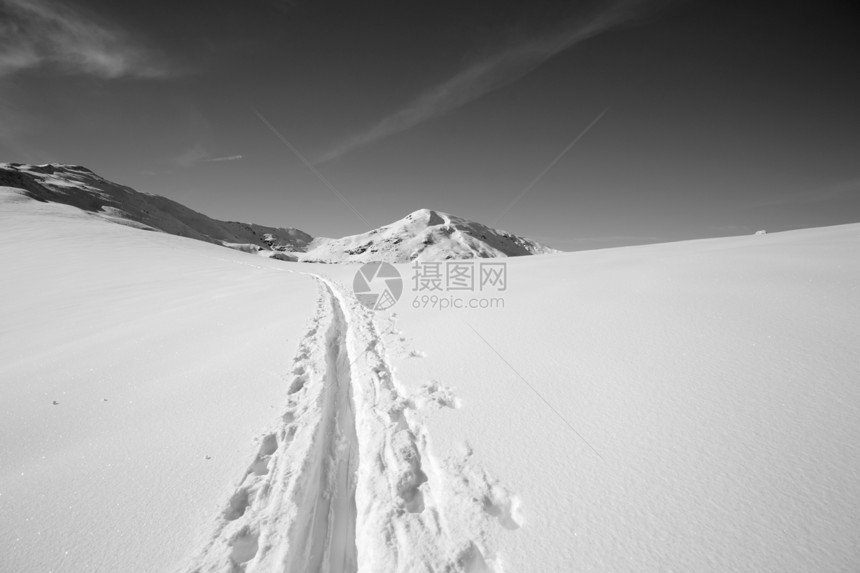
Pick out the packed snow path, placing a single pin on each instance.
(327, 530)
(344, 482)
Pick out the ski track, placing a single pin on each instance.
(344, 482)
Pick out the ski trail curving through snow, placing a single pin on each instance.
(345, 482)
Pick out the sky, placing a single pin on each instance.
(579, 124)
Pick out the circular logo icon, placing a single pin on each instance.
(377, 285)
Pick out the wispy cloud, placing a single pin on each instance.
(197, 154)
(192, 155)
(488, 74)
(38, 33)
(227, 158)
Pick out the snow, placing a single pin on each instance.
(160, 351)
(690, 406)
(79, 187)
(717, 380)
(423, 235)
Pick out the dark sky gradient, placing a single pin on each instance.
(724, 117)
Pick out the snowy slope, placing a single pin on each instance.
(682, 407)
(78, 186)
(160, 352)
(717, 381)
(424, 235)
(169, 405)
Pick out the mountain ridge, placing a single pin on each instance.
(425, 234)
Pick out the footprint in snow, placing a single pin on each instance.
(435, 395)
(298, 384)
(493, 499)
(268, 446)
(245, 545)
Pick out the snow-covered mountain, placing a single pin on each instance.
(78, 186)
(424, 234)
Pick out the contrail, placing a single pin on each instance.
(552, 164)
(484, 77)
(228, 158)
(311, 168)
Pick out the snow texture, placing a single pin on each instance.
(170, 405)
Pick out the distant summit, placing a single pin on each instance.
(428, 236)
(423, 235)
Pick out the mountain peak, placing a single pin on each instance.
(429, 217)
(425, 234)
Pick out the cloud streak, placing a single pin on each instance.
(485, 76)
(191, 156)
(197, 154)
(227, 158)
(41, 33)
